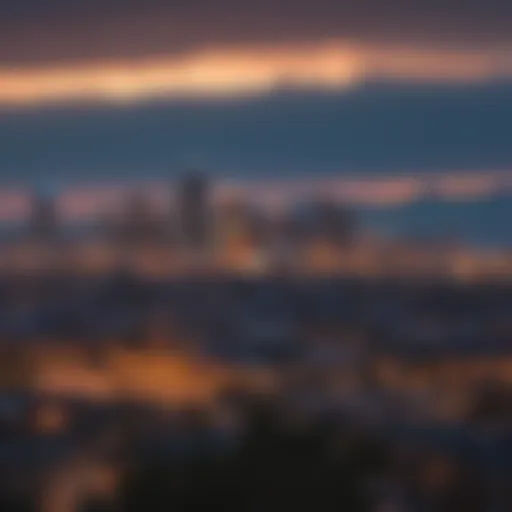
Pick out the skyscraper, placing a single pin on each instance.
(234, 222)
(239, 236)
(194, 217)
(43, 218)
(331, 222)
(140, 222)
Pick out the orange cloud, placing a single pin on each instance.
(205, 74)
(468, 186)
(231, 72)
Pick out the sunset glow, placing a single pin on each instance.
(205, 74)
(240, 72)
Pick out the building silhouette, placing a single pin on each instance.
(329, 222)
(140, 223)
(43, 216)
(194, 211)
(234, 221)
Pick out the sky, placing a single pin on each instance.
(49, 30)
(118, 88)
(113, 50)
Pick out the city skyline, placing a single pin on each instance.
(255, 255)
(374, 100)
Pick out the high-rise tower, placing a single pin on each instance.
(194, 215)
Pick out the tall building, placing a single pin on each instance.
(239, 233)
(234, 222)
(43, 217)
(194, 215)
(140, 223)
(331, 222)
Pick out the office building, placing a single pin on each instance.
(43, 216)
(194, 211)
